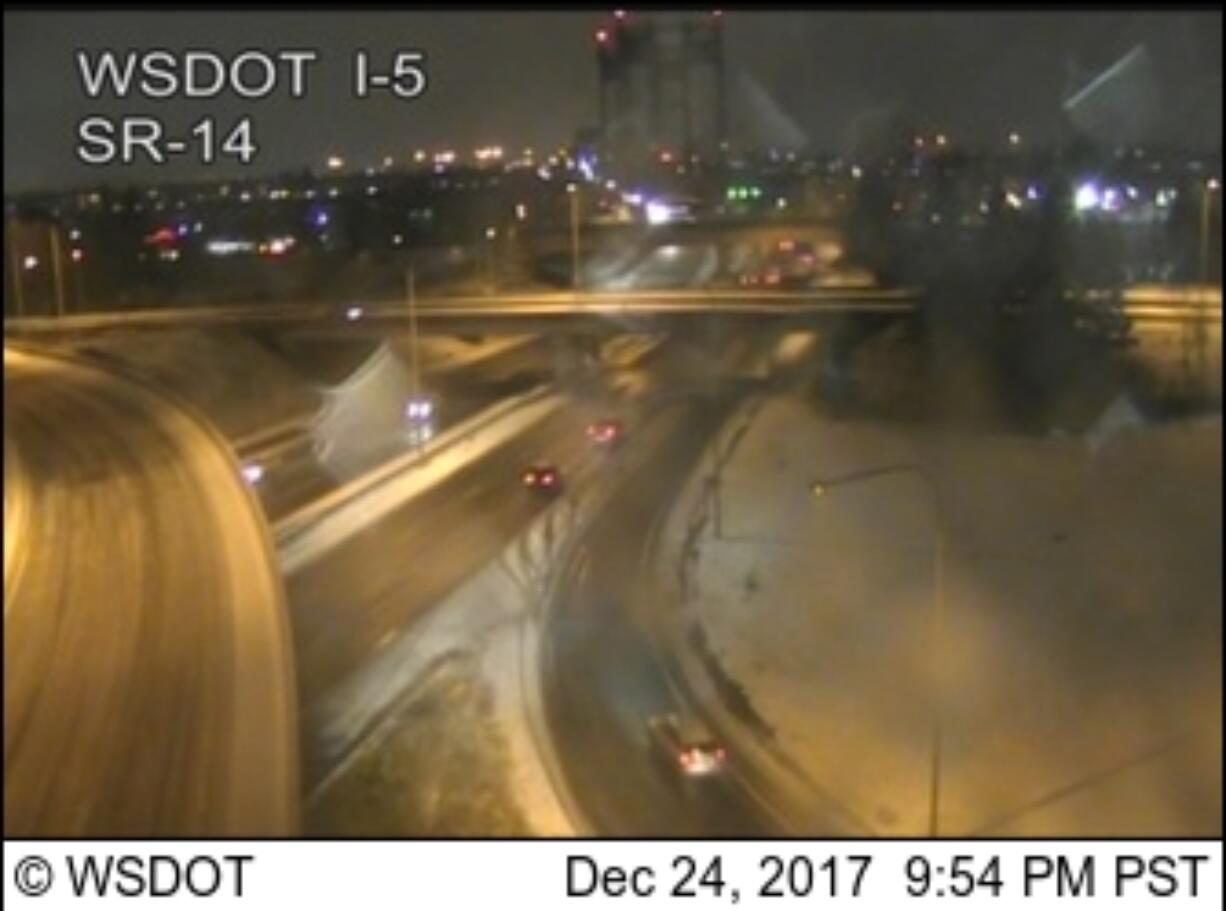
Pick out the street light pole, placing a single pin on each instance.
(573, 191)
(937, 618)
(16, 267)
(936, 647)
(411, 291)
(1195, 337)
(57, 274)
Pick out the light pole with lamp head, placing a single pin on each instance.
(572, 191)
(1210, 186)
(823, 486)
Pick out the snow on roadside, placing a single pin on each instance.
(1082, 609)
(488, 625)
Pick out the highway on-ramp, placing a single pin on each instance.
(603, 677)
(149, 687)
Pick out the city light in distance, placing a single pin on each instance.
(1086, 197)
(657, 212)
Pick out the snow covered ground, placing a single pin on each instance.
(450, 709)
(1080, 686)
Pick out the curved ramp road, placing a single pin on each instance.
(149, 684)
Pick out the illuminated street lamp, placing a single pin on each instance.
(1212, 185)
(822, 487)
(490, 255)
(572, 191)
(1199, 333)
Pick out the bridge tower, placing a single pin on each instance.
(662, 86)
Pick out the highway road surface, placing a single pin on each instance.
(369, 431)
(149, 684)
(604, 677)
(359, 597)
(356, 599)
(604, 671)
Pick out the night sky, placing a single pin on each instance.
(520, 78)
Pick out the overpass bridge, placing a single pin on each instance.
(587, 313)
(573, 313)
